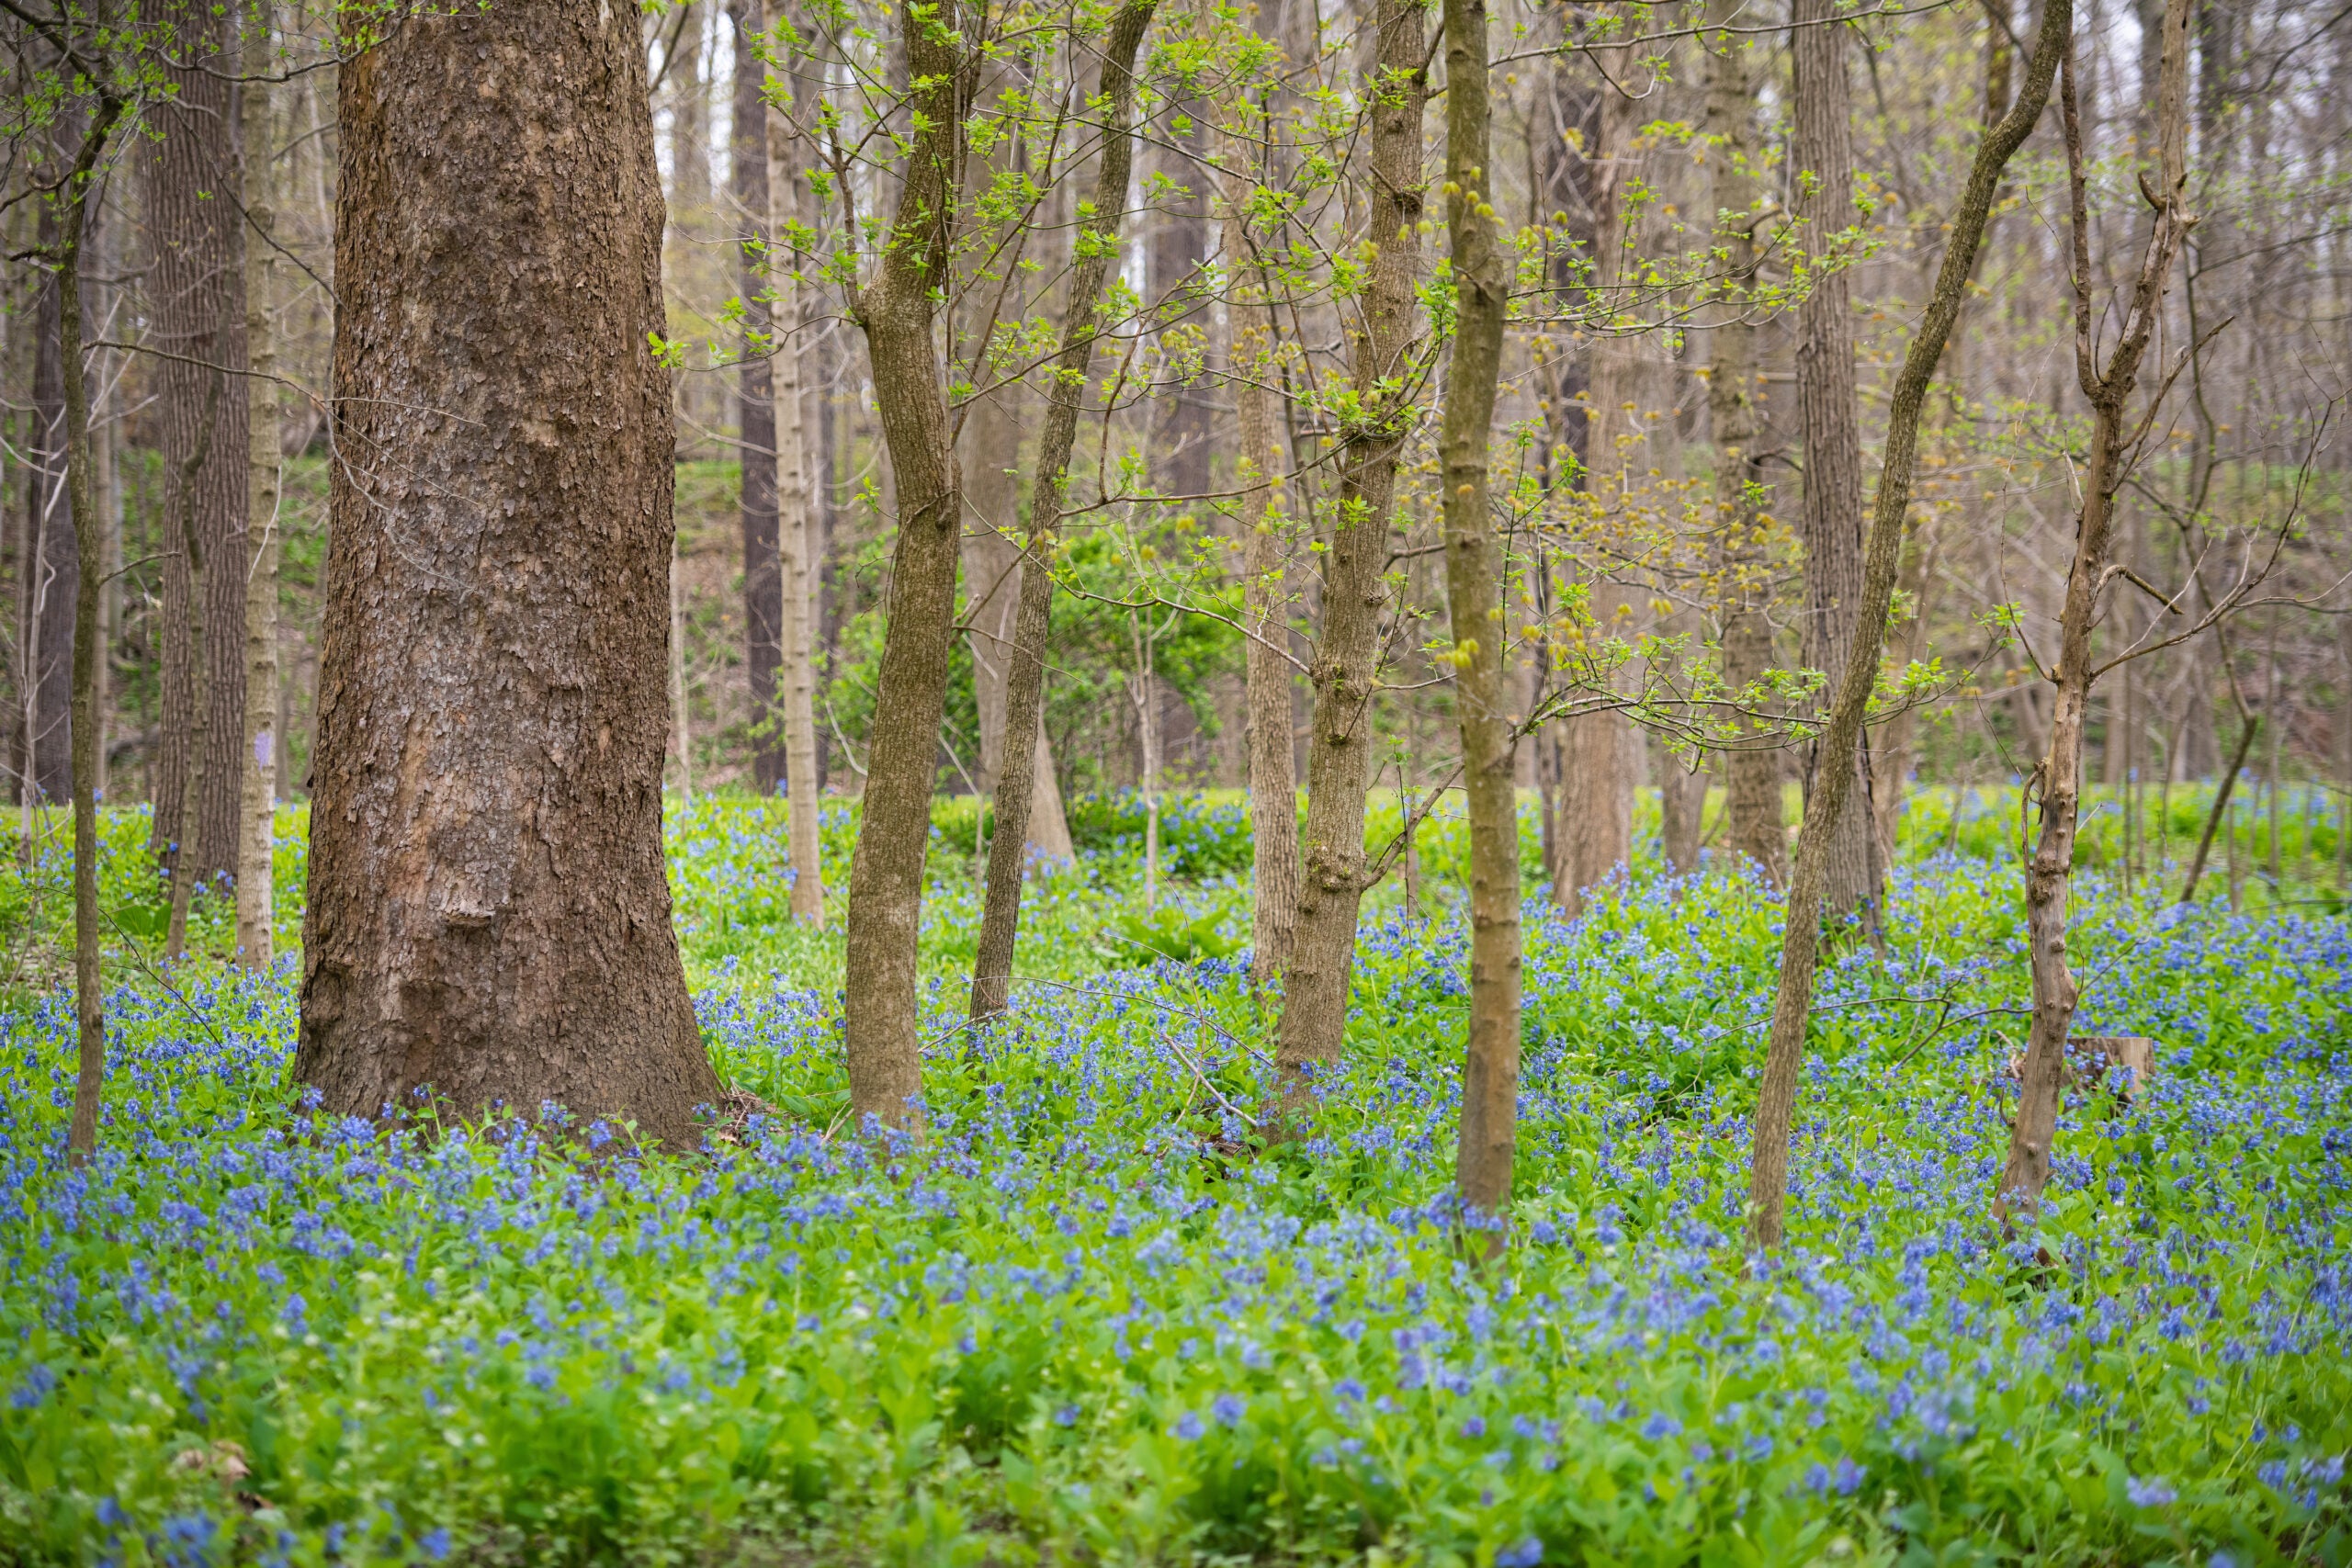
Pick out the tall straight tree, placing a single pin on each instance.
(195, 288)
(104, 80)
(1475, 605)
(1314, 994)
(795, 694)
(1250, 362)
(1821, 145)
(898, 310)
(1753, 770)
(488, 911)
(754, 396)
(258, 810)
(1594, 831)
(1768, 1181)
(1096, 242)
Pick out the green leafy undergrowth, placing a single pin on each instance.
(1088, 1320)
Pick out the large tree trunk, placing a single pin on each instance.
(754, 401)
(795, 500)
(897, 312)
(197, 288)
(1822, 148)
(1792, 1000)
(1753, 771)
(488, 913)
(1025, 779)
(2049, 874)
(1474, 609)
(258, 807)
(1315, 997)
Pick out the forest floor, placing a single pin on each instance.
(1083, 1321)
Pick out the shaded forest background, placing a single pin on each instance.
(1984, 564)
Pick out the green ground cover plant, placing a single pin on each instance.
(1088, 1321)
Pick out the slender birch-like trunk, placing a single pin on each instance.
(2042, 1080)
(1475, 606)
(1024, 680)
(795, 498)
(1792, 1002)
(255, 892)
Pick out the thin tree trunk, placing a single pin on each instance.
(1682, 802)
(50, 584)
(487, 910)
(1259, 472)
(89, 538)
(1315, 997)
(1027, 776)
(754, 401)
(1475, 608)
(1776, 1097)
(1821, 147)
(2047, 874)
(2249, 725)
(898, 316)
(796, 507)
(1752, 771)
(255, 892)
(1893, 764)
(1593, 751)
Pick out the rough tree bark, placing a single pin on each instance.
(2042, 1079)
(1821, 146)
(258, 809)
(487, 912)
(197, 284)
(897, 313)
(1753, 771)
(1017, 783)
(1315, 995)
(1792, 1002)
(184, 533)
(747, 180)
(796, 495)
(1475, 607)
